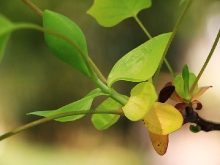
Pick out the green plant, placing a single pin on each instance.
(142, 64)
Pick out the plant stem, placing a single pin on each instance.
(44, 120)
(33, 7)
(176, 27)
(206, 62)
(149, 36)
(169, 67)
(98, 72)
(142, 27)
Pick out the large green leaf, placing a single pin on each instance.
(5, 31)
(110, 12)
(61, 48)
(143, 96)
(104, 121)
(141, 63)
(83, 104)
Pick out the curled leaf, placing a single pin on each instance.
(163, 119)
(181, 106)
(142, 98)
(198, 104)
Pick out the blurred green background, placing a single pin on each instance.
(32, 79)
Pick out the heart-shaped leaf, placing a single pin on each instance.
(83, 104)
(163, 119)
(104, 121)
(110, 12)
(61, 48)
(141, 63)
(143, 96)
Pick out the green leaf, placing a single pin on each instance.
(182, 2)
(110, 12)
(179, 86)
(5, 31)
(61, 48)
(141, 63)
(163, 119)
(185, 76)
(104, 121)
(83, 104)
(143, 96)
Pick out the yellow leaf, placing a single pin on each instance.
(143, 96)
(159, 142)
(163, 119)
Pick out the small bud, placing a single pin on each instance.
(194, 128)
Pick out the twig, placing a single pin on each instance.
(33, 7)
(44, 120)
(193, 117)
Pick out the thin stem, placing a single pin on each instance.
(169, 67)
(206, 62)
(33, 7)
(176, 27)
(149, 36)
(142, 27)
(44, 120)
(98, 72)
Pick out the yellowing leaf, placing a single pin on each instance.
(159, 142)
(163, 119)
(142, 98)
